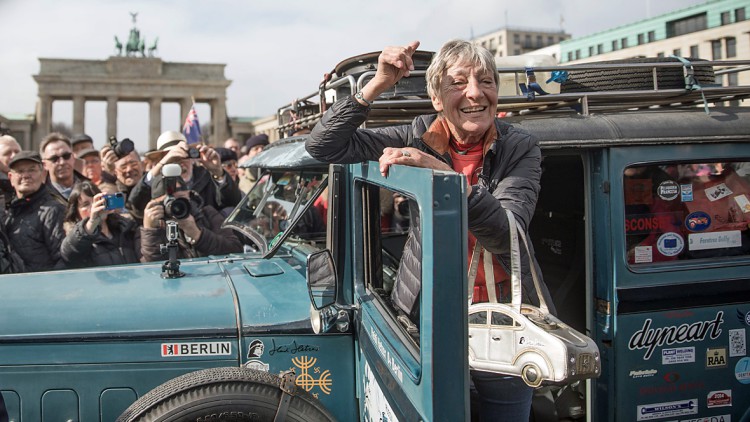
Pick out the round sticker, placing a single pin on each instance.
(670, 244)
(668, 190)
(742, 370)
(697, 221)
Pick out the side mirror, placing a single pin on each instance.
(321, 279)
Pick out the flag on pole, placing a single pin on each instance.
(192, 129)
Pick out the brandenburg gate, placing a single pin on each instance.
(135, 78)
(142, 79)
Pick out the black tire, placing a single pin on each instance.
(223, 394)
(638, 78)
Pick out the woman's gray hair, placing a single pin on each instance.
(458, 51)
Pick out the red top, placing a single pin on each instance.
(467, 159)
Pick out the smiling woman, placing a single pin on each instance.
(498, 161)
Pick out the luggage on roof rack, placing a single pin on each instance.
(587, 88)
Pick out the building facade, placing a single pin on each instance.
(510, 41)
(715, 30)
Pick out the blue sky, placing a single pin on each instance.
(275, 50)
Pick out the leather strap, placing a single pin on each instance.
(287, 387)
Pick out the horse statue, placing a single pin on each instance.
(153, 47)
(133, 40)
(142, 46)
(118, 46)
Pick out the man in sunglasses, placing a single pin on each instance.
(59, 161)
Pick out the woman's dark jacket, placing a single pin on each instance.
(80, 249)
(509, 180)
(34, 226)
(213, 240)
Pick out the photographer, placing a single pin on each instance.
(121, 158)
(201, 173)
(200, 232)
(99, 235)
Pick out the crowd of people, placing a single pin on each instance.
(59, 205)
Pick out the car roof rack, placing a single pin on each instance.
(644, 83)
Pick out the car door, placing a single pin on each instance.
(413, 362)
(479, 335)
(502, 337)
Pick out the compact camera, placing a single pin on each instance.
(194, 153)
(178, 208)
(114, 201)
(121, 148)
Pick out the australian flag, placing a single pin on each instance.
(192, 129)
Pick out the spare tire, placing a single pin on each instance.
(635, 78)
(219, 394)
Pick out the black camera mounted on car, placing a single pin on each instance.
(121, 148)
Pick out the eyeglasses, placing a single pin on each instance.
(65, 156)
(229, 164)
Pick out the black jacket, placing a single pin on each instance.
(509, 179)
(214, 194)
(213, 240)
(80, 249)
(34, 226)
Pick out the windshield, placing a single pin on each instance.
(279, 199)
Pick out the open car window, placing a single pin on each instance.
(686, 211)
(283, 204)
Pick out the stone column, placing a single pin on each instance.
(154, 122)
(219, 121)
(185, 105)
(79, 114)
(111, 116)
(45, 115)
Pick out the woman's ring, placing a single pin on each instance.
(405, 153)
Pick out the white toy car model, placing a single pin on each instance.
(523, 340)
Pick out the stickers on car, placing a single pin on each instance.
(714, 193)
(668, 190)
(716, 357)
(670, 244)
(686, 192)
(737, 344)
(721, 398)
(217, 348)
(714, 240)
(697, 221)
(647, 412)
(254, 352)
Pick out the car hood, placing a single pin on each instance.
(135, 301)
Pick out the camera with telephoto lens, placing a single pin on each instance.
(178, 208)
(121, 148)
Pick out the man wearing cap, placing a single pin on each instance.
(79, 143)
(228, 161)
(203, 175)
(8, 149)
(92, 166)
(254, 145)
(35, 219)
(57, 153)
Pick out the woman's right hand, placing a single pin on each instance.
(394, 63)
(98, 212)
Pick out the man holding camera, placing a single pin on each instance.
(201, 171)
(122, 159)
(200, 232)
